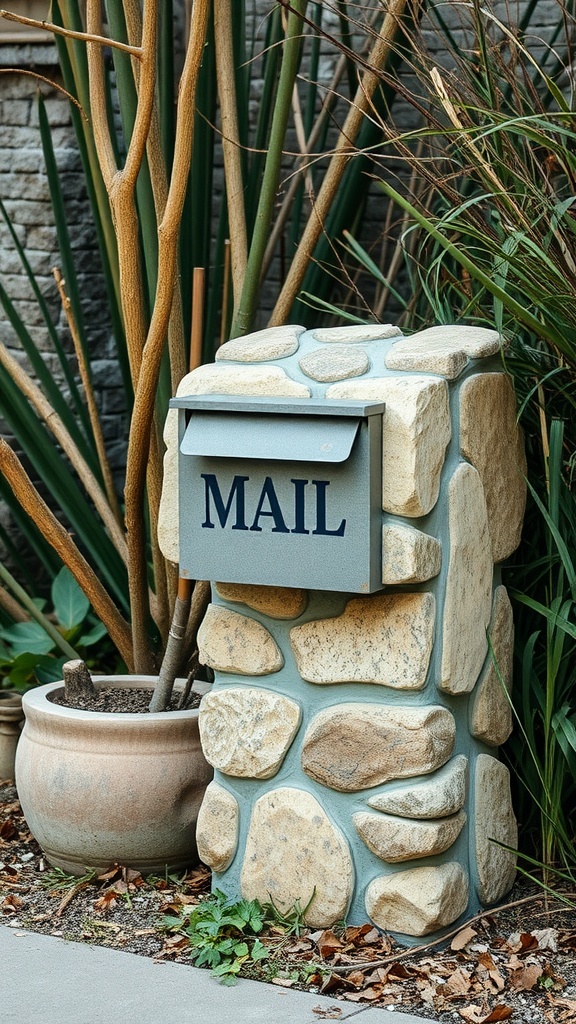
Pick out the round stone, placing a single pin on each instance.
(418, 901)
(355, 333)
(295, 854)
(336, 363)
(246, 732)
(217, 827)
(276, 602)
(270, 343)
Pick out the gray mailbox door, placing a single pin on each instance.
(282, 493)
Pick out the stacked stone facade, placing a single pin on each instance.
(354, 737)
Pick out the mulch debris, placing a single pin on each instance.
(517, 962)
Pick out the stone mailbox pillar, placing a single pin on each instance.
(354, 732)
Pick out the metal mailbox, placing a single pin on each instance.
(284, 492)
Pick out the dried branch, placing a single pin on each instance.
(47, 81)
(57, 30)
(403, 954)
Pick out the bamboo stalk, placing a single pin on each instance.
(231, 145)
(225, 294)
(196, 329)
(168, 233)
(343, 153)
(57, 536)
(159, 182)
(120, 184)
(10, 605)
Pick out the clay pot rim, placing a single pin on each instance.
(37, 700)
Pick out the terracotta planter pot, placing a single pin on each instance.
(11, 718)
(102, 788)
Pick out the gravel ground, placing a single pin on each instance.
(517, 962)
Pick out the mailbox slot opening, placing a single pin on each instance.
(265, 437)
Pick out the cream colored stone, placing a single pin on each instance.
(385, 639)
(418, 901)
(491, 439)
(217, 828)
(230, 379)
(247, 732)
(270, 343)
(350, 747)
(336, 363)
(490, 711)
(399, 839)
(443, 349)
(408, 555)
(417, 430)
(168, 522)
(494, 823)
(277, 602)
(438, 796)
(295, 854)
(356, 333)
(468, 596)
(229, 642)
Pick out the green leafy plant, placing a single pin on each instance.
(223, 934)
(34, 650)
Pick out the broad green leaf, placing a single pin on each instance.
(49, 670)
(93, 636)
(70, 603)
(27, 637)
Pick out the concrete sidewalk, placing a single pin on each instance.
(45, 980)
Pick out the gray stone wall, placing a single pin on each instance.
(25, 192)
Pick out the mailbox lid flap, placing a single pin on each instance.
(270, 437)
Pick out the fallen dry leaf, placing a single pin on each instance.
(356, 978)
(369, 994)
(362, 935)
(547, 938)
(327, 1011)
(463, 938)
(12, 904)
(283, 982)
(173, 945)
(399, 971)
(299, 946)
(522, 942)
(459, 982)
(525, 979)
(478, 1015)
(8, 831)
(328, 943)
(105, 902)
